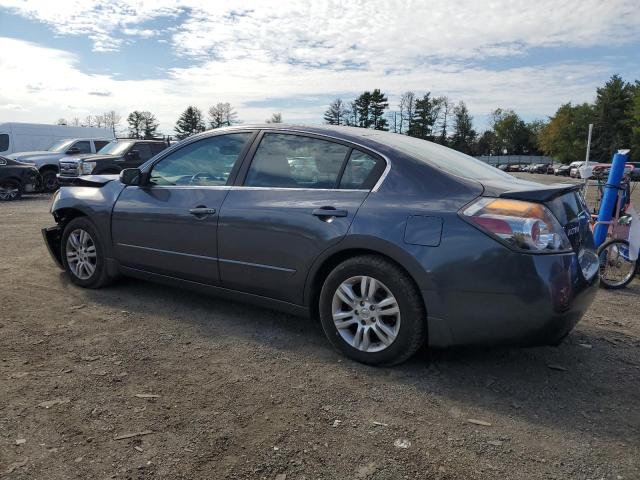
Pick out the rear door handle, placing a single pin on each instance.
(202, 212)
(324, 212)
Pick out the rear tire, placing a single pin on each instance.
(616, 270)
(83, 254)
(10, 190)
(358, 305)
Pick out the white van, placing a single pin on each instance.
(25, 137)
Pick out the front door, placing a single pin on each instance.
(299, 197)
(169, 225)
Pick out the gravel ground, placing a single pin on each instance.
(143, 381)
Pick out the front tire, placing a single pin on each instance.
(49, 181)
(372, 312)
(83, 254)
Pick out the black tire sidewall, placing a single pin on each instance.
(85, 224)
(49, 173)
(412, 318)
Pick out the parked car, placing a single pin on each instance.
(635, 173)
(113, 158)
(46, 161)
(17, 178)
(562, 170)
(574, 171)
(539, 168)
(513, 167)
(390, 240)
(601, 170)
(551, 169)
(26, 137)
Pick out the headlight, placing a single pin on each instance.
(87, 167)
(524, 226)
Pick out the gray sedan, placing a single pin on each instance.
(389, 240)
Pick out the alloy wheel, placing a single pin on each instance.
(81, 254)
(366, 313)
(9, 191)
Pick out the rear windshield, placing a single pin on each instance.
(442, 158)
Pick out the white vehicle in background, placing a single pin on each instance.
(24, 137)
(46, 161)
(574, 171)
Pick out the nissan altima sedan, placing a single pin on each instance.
(391, 241)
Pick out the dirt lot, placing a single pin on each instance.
(215, 389)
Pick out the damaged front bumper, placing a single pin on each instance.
(52, 238)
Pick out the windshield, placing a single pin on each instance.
(60, 145)
(114, 148)
(443, 158)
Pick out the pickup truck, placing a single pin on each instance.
(112, 159)
(46, 161)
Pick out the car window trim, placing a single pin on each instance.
(242, 174)
(234, 171)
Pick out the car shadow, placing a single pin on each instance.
(569, 385)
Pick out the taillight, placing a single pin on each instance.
(521, 225)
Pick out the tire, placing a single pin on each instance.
(95, 275)
(49, 181)
(10, 190)
(404, 332)
(618, 249)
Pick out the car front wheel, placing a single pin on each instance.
(372, 312)
(83, 254)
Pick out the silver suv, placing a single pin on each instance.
(46, 161)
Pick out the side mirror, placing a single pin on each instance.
(133, 154)
(131, 176)
(73, 150)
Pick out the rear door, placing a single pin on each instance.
(169, 225)
(298, 197)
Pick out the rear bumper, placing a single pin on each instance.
(546, 298)
(52, 238)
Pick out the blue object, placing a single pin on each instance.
(610, 197)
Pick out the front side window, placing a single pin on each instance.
(60, 145)
(294, 161)
(4, 142)
(83, 146)
(100, 144)
(207, 162)
(144, 151)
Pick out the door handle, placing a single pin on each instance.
(201, 212)
(324, 212)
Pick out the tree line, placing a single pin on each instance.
(615, 115)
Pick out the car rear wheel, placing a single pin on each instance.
(10, 190)
(372, 312)
(83, 254)
(49, 181)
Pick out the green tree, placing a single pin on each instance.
(363, 107)
(564, 137)
(464, 135)
(149, 125)
(189, 123)
(512, 135)
(336, 114)
(377, 107)
(136, 124)
(614, 106)
(425, 114)
(486, 143)
(635, 123)
(275, 118)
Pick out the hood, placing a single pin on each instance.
(33, 155)
(93, 180)
(517, 189)
(89, 158)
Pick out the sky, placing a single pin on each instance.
(73, 58)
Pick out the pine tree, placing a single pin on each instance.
(463, 133)
(614, 104)
(378, 104)
(149, 125)
(424, 118)
(275, 118)
(363, 107)
(336, 114)
(136, 124)
(189, 123)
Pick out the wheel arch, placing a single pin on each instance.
(331, 258)
(47, 167)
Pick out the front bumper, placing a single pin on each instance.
(52, 239)
(539, 300)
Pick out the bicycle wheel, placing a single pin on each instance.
(616, 269)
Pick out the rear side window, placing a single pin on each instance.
(294, 161)
(157, 147)
(4, 142)
(100, 143)
(83, 146)
(362, 171)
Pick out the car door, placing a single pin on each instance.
(168, 225)
(298, 197)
